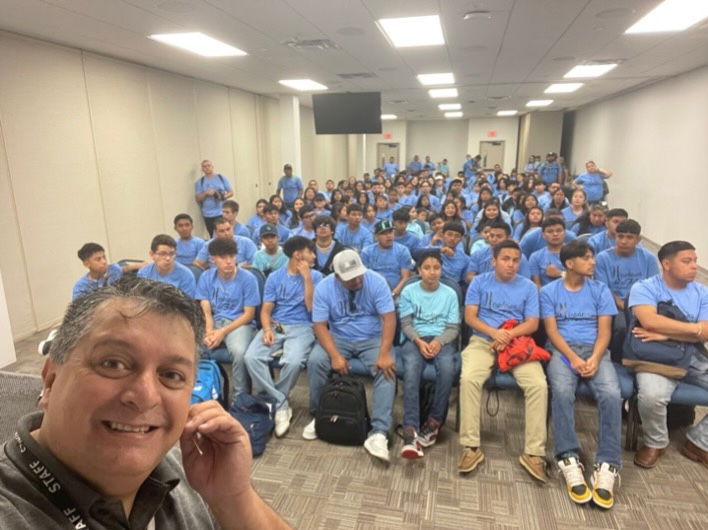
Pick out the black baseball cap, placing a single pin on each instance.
(382, 226)
(268, 230)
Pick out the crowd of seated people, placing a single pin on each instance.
(492, 257)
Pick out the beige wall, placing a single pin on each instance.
(96, 149)
(506, 130)
(655, 141)
(399, 135)
(439, 139)
(324, 156)
(540, 132)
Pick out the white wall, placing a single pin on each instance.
(439, 139)
(655, 140)
(540, 133)
(324, 156)
(506, 129)
(398, 129)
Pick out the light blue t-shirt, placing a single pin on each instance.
(388, 262)
(408, 240)
(266, 263)
(287, 292)
(692, 300)
(242, 230)
(181, 277)
(592, 184)
(431, 310)
(533, 241)
(620, 273)
(481, 262)
(358, 239)
(188, 250)
(245, 250)
(455, 266)
(391, 168)
(254, 224)
(211, 206)
(354, 317)
(549, 172)
(570, 216)
(601, 241)
(283, 235)
(228, 298)
(576, 312)
(542, 259)
(300, 231)
(501, 301)
(291, 186)
(86, 285)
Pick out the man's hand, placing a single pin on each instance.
(553, 272)
(590, 368)
(268, 337)
(303, 268)
(224, 466)
(645, 335)
(386, 364)
(340, 365)
(214, 337)
(578, 365)
(423, 348)
(449, 252)
(502, 337)
(434, 348)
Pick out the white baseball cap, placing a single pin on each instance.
(347, 265)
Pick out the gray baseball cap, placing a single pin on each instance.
(347, 265)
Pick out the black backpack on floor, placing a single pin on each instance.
(342, 416)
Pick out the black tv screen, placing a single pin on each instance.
(351, 113)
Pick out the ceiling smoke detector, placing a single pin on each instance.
(311, 44)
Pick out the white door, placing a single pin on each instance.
(491, 153)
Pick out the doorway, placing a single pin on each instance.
(492, 153)
(386, 151)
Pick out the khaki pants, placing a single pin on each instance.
(477, 363)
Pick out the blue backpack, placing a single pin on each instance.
(211, 383)
(257, 415)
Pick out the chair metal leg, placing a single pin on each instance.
(633, 423)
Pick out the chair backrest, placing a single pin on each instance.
(18, 395)
(261, 278)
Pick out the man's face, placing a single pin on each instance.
(329, 185)
(437, 225)
(456, 187)
(597, 217)
(164, 258)
(324, 231)
(320, 204)
(554, 187)
(133, 372)
(430, 270)
(288, 171)
(272, 217)
(612, 223)
(425, 187)
(184, 228)
(400, 227)
(682, 267)
(270, 242)
(591, 167)
(451, 238)
(354, 284)
(225, 265)
(307, 255)
(506, 264)
(584, 265)
(224, 230)
(207, 167)
(496, 235)
(385, 239)
(626, 243)
(229, 215)
(554, 235)
(314, 185)
(354, 218)
(381, 203)
(307, 219)
(97, 263)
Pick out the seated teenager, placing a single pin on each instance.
(401, 230)
(188, 246)
(577, 207)
(679, 265)
(591, 222)
(539, 191)
(492, 299)
(558, 199)
(454, 259)
(430, 320)
(621, 267)
(606, 239)
(533, 219)
(229, 211)
(390, 259)
(482, 260)
(545, 264)
(320, 203)
(434, 238)
(255, 221)
(577, 313)
(326, 247)
(165, 268)
(383, 212)
(271, 214)
(482, 240)
(534, 240)
(306, 229)
(224, 229)
(287, 325)
(354, 316)
(270, 258)
(100, 273)
(353, 234)
(228, 295)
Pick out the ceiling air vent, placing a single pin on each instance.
(311, 44)
(357, 75)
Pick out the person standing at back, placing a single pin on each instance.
(290, 185)
(210, 192)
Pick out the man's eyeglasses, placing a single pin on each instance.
(165, 254)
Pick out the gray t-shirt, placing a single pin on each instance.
(165, 494)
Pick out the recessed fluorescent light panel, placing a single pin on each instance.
(507, 112)
(303, 85)
(443, 92)
(671, 15)
(454, 114)
(198, 43)
(539, 102)
(389, 117)
(562, 88)
(589, 70)
(449, 106)
(436, 79)
(413, 31)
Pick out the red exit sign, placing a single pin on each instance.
(388, 136)
(491, 134)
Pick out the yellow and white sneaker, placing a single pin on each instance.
(603, 482)
(575, 483)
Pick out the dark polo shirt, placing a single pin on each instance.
(165, 494)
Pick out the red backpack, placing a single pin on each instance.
(520, 350)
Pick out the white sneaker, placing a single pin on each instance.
(309, 432)
(282, 421)
(572, 471)
(377, 446)
(603, 483)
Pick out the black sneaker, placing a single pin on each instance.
(411, 448)
(429, 432)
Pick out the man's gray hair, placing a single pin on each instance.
(148, 296)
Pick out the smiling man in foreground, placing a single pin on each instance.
(116, 399)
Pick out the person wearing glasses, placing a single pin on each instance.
(166, 268)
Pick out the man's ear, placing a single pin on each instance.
(49, 374)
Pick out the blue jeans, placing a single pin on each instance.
(367, 351)
(606, 390)
(236, 343)
(414, 364)
(296, 341)
(655, 393)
